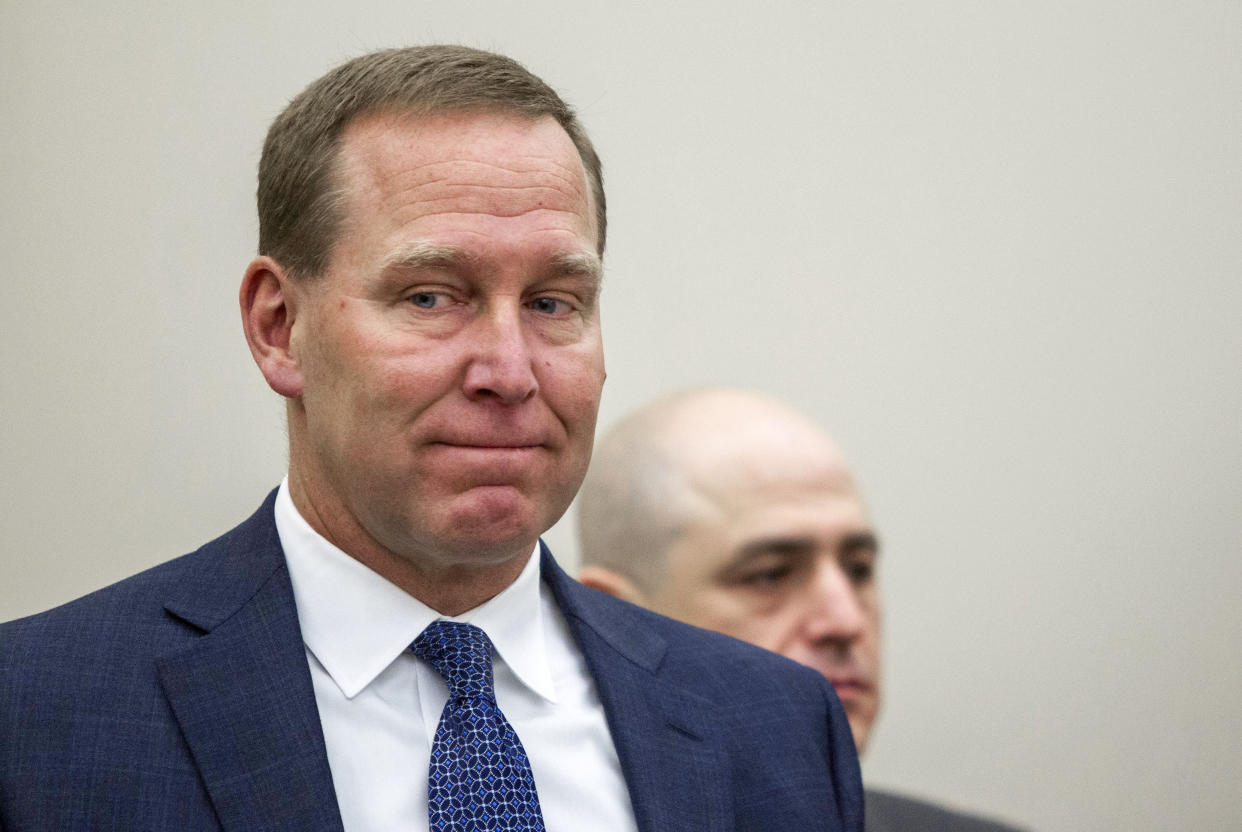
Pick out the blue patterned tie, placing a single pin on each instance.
(480, 779)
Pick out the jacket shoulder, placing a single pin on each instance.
(132, 615)
(787, 747)
(88, 737)
(889, 812)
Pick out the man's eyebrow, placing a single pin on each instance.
(586, 264)
(433, 256)
(776, 545)
(856, 543)
(860, 542)
(426, 256)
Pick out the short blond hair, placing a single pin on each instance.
(299, 197)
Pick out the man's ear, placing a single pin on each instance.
(268, 311)
(616, 585)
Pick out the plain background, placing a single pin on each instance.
(995, 247)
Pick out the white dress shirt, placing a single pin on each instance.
(379, 704)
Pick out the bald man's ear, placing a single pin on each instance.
(268, 311)
(616, 585)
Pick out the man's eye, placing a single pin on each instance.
(766, 577)
(549, 306)
(424, 300)
(859, 572)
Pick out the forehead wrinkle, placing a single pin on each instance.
(412, 203)
(384, 144)
(547, 167)
(553, 258)
(426, 206)
(429, 199)
(431, 175)
(539, 165)
(413, 188)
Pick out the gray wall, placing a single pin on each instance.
(994, 246)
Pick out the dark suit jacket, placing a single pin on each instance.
(181, 699)
(888, 812)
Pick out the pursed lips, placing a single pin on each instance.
(494, 453)
(489, 461)
(490, 444)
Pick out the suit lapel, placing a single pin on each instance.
(243, 698)
(242, 693)
(671, 756)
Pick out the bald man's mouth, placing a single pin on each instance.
(850, 687)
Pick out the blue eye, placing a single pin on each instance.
(548, 306)
(424, 300)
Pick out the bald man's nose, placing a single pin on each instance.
(834, 610)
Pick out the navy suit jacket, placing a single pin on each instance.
(888, 812)
(181, 699)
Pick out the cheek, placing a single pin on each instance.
(395, 378)
(869, 644)
(325, 382)
(393, 375)
(734, 613)
(571, 384)
(332, 355)
(774, 631)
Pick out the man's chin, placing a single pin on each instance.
(861, 735)
(496, 520)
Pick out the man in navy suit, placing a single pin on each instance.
(732, 511)
(426, 300)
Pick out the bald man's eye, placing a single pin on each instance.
(767, 577)
(860, 571)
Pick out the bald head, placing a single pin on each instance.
(681, 458)
(732, 511)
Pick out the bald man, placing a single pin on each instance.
(734, 512)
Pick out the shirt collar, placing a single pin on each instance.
(356, 623)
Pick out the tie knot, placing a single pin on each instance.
(461, 654)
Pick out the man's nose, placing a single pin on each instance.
(834, 609)
(501, 363)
